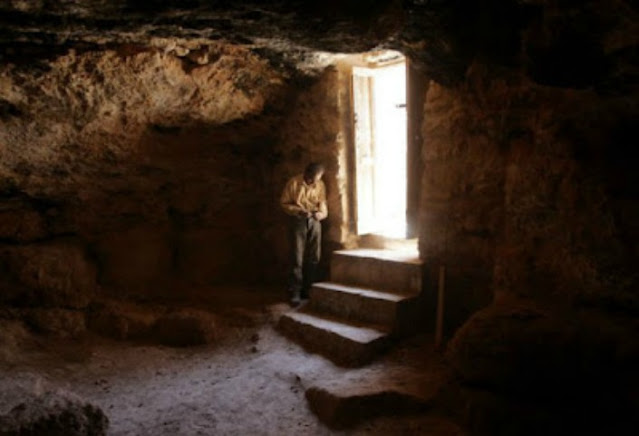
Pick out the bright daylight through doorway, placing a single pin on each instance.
(379, 96)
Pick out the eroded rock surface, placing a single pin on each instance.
(50, 274)
(341, 411)
(62, 323)
(153, 324)
(185, 328)
(573, 370)
(156, 135)
(566, 44)
(20, 222)
(56, 414)
(142, 156)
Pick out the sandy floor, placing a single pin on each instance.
(251, 382)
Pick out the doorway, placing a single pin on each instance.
(380, 130)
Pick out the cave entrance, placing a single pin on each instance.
(380, 139)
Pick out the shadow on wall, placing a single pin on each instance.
(203, 192)
(191, 208)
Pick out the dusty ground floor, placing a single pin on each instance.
(249, 381)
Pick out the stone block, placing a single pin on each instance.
(54, 414)
(525, 349)
(122, 321)
(341, 408)
(60, 323)
(185, 328)
(53, 274)
(14, 336)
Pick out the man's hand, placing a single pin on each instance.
(304, 214)
(318, 216)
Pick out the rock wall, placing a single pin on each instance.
(526, 189)
(525, 192)
(138, 171)
(530, 201)
(530, 204)
(462, 195)
(135, 169)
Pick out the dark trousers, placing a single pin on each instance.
(306, 238)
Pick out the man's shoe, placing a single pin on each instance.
(295, 301)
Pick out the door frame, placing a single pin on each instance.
(416, 89)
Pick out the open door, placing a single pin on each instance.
(364, 149)
(379, 105)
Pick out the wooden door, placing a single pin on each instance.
(364, 150)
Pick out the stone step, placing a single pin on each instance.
(342, 408)
(399, 271)
(340, 412)
(360, 304)
(346, 344)
(368, 393)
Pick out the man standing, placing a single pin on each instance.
(304, 199)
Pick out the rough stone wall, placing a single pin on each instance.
(462, 194)
(570, 228)
(526, 193)
(134, 169)
(526, 190)
(530, 200)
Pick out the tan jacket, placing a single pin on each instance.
(300, 198)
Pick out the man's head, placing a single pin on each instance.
(313, 172)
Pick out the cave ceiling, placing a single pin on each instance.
(556, 42)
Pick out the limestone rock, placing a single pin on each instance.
(54, 274)
(562, 364)
(283, 30)
(523, 347)
(61, 323)
(185, 328)
(128, 321)
(159, 163)
(342, 408)
(122, 321)
(54, 414)
(557, 44)
(13, 336)
(21, 223)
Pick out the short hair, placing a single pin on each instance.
(313, 169)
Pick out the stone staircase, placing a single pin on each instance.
(371, 300)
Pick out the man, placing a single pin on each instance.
(304, 199)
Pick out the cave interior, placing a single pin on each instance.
(144, 146)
